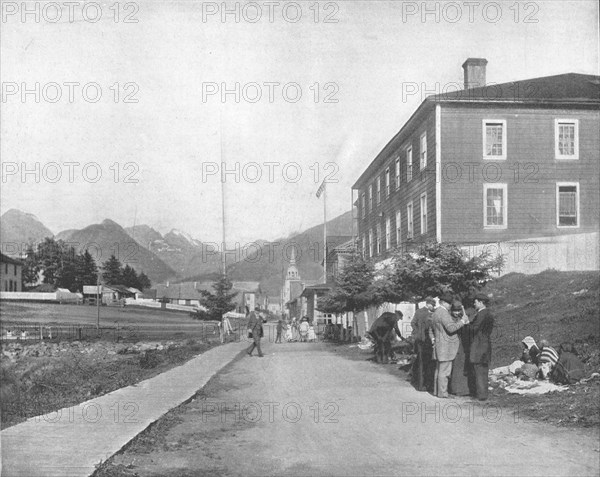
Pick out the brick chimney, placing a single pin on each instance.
(474, 72)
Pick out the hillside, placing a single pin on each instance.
(268, 266)
(557, 306)
(20, 228)
(109, 238)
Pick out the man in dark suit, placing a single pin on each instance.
(480, 354)
(255, 322)
(383, 333)
(424, 366)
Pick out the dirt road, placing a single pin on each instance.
(308, 409)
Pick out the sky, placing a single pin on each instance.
(129, 122)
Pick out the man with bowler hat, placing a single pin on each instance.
(481, 345)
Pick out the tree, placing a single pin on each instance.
(111, 271)
(129, 277)
(66, 275)
(49, 255)
(87, 270)
(438, 268)
(31, 267)
(220, 302)
(143, 282)
(356, 288)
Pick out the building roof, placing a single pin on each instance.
(192, 290)
(569, 89)
(10, 260)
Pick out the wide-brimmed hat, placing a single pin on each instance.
(447, 298)
(482, 297)
(456, 306)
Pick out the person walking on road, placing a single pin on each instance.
(255, 330)
(445, 345)
(480, 354)
(279, 330)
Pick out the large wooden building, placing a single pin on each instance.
(490, 163)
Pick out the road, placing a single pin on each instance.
(312, 409)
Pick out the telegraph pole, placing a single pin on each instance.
(98, 301)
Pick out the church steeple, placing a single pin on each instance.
(292, 271)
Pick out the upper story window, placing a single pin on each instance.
(566, 138)
(567, 204)
(409, 220)
(494, 139)
(495, 206)
(423, 152)
(364, 246)
(15, 270)
(371, 243)
(371, 198)
(378, 239)
(397, 173)
(398, 228)
(363, 205)
(387, 182)
(409, 164)
(378, 184)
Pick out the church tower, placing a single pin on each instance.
(292, 276)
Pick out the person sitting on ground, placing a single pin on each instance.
(530, 351)
(528, 369)
(548, 358)
(569, 369)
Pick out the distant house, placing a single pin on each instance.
(11, 273)
(109, 293)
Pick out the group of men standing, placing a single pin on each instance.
(437, 342)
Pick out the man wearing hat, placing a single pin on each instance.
(481, 345)
(446, 343)
(423, 367)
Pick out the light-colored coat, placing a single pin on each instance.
(444, 331)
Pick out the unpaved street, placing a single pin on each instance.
(309, 409)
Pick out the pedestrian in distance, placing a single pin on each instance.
(255, 331)
(279, 330)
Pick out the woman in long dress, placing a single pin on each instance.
(459, 381)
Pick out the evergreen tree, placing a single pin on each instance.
(129, 277)
(66, 275)
(143, 282)
(112, 271)
(88, 270)
(220, 302)
(50, 256)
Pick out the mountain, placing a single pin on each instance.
(109, 238)
(186, 255)
(19, 229)
(270, 264)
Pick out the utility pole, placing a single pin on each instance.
(323, 190)
(223, 256)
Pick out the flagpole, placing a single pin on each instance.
(325, 233)
(223, 256)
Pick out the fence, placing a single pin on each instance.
(18, 331)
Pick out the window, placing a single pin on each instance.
(378, 183)
(388, 233)
(371, 198)
(409, 164)
(378, 239)
(363, 205)
(423, 152)
(566, 138)
(494, 139)
(387, 182)
(409, 220)
(15, 270)
(495, 206)
(567, 204)
(423, 214)
(398, 228)
(370, 243)
(6, 268)
(364, 246)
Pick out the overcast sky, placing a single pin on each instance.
(361, 63)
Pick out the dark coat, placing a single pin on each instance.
(481, 337)
(421, 323)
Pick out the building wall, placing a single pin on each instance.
(530, 172)
(423, 181)
(11, 277)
